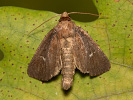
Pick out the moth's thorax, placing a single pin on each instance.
(65, 29)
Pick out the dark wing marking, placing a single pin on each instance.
(46, 62)
(89, 57)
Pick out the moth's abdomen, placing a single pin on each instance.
(68, 69)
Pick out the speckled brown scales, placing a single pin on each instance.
(65, 48)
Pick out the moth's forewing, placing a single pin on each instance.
(89, 57)
(45, 63)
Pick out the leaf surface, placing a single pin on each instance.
(114, 35)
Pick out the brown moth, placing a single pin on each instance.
(65, 48)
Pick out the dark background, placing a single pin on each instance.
(57, 6)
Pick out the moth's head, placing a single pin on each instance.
(64, 17)
(64, 14)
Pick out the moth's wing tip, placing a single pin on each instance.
(107, 68)
(37, 72)
(37, 77)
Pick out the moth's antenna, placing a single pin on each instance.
(44, 22)
(86, 13)
(68, 14)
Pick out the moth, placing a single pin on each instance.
(67, 47)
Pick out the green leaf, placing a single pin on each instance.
(114, 35)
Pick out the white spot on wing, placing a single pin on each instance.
(91, 55)
(43, 58)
